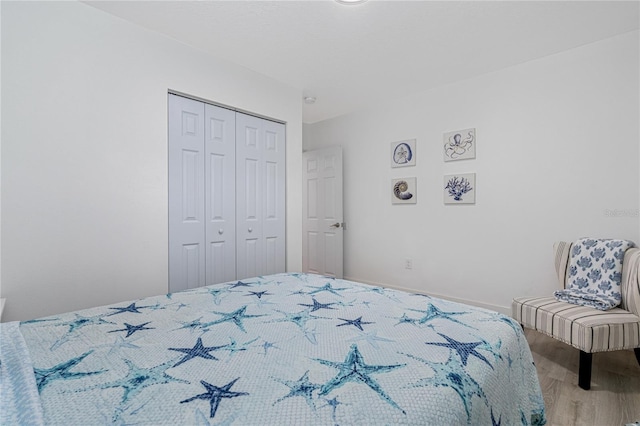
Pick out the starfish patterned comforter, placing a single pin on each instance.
(274, 350)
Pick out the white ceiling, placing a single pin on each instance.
(350, 57)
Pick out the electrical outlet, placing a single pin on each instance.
(408, 264)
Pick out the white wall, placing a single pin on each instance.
(84, 153)
(557, 146)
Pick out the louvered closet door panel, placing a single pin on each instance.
(249, 196)
(186, 194)
(273, 176)
(220, 188)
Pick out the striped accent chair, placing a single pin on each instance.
(587, 329)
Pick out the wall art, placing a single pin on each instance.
(459, 145)
(404, 191)
(460, 188)
(403, 153)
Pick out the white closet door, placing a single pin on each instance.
(186, 194)
(260, 186)
(273, 225)
(249, 169)
(220, 188)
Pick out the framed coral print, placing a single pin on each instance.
(403, 153)
(459, 145)
(460, 188)
(403, 191)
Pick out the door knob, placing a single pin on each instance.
(220, 231)
(250, 229)
(335, 225)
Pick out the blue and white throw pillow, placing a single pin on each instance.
(595, 273)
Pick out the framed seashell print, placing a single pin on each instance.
(403, 191)
(403, 153)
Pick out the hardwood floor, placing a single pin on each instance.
(614, 398)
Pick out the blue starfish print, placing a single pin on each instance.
(298, 318)
(215, 394)
(130, 329)
(240, 284)
(317, 305)
(119, 344)
(341, 303)
(35, 321)
(199, 350)
(44, 376)
(333, 403)
(504, 319)
(382, 292)
(236, 317)
(370, 337)
(310, 335)
(404, 319)
(80, 322)
(75, 325)
(218, 293)
(180, 306)
(258, 294)
(451, 374)
(261, 303)
(268, 345)
(432, 312)
(190, 325)
(355, 322)
(136, 380)
(297, 292)
(486, 346)
(131, 308)
(329, 288)
(300, 277)
(233, 346)
(354, 369)
(157, 307)
(301, 387)
(463, 349)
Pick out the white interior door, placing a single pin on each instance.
(322, 224)
(186, 194)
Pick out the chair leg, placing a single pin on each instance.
(584, 371)
(637, 351)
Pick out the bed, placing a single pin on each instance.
(273, 350)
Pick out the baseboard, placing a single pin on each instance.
(506, 310)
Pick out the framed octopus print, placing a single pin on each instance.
(403, 191)
(403, 153)
(459, 145)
